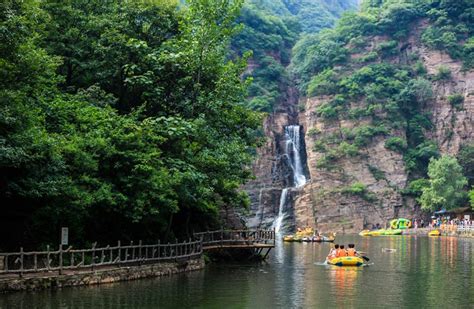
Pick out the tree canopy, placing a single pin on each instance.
(120, 119)
(446, 185)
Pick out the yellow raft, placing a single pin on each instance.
(434, 233)
(346, 261)
(382, 232)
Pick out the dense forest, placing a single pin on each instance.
(133, 120)
(364, 75)
(120, 119)
(270, 29)
(140, 119)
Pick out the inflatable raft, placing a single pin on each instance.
(293, 238)
(346, 261)
(318, 239)
(434, 233)
(381, 232)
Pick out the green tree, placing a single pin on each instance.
(471, 197)
(446, 185)
(466, 160)
(139, 132)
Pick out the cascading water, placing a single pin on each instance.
(279, 220)
(255, 221)
(293, 152)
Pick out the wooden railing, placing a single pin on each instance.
(236, 237)
(465, 228)
(457, 228)
(76, 259)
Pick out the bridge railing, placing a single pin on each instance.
(465, 228)
(457, 228)
(76, 259)
(236, 237)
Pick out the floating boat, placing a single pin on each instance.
(400, 223)
(392, 232)
(293, 238)
(434, 233)
(318, 239)
(299, 238)
(346, 261)
(377, 232)
(382, 232)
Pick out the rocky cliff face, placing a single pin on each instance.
(323, 202)
(273, 170)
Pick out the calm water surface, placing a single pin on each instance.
(422, 273)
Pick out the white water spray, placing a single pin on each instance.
(278, 221)
(293, 152)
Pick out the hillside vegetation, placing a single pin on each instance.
(119, 119)
(270, 30)
(364, 72)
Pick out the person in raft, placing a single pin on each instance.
(341, 252)
(351, 251)
(333, 252)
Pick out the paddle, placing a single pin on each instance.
(363, 256)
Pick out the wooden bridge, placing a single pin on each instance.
(75, 260)
(258, 241)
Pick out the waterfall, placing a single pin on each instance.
(293, 152)
(278, 221)
(256, 221)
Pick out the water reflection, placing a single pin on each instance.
(421, 272)
(342, 280)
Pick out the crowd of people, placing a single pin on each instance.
(447, 221)
(340, 251)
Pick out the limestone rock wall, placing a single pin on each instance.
(322, 201)
(271, 169)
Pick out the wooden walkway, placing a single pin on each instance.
(70, 260)
(257, 241)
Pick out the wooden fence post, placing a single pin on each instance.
(274, 236)
(102, 256)
(35, 257)
(175, 248)
(72, 257)
(111, 255)
(139, 250)
(222, 237)
(119, 253)
(126, 252)
(60, 259)
(93, 255)
(158, 248)
(21, 262)
(48, 263)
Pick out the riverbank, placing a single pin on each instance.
(52, 280)
(454, 232)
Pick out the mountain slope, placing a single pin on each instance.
(387, 89)
(270, 29)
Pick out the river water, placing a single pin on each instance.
(422, 272)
